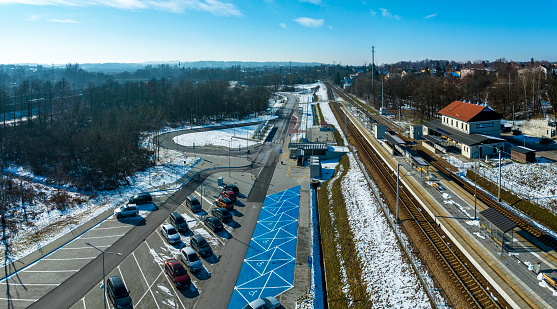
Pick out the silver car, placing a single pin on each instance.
(264, 303)
(190, 258)
(126, 211)
(170, 234)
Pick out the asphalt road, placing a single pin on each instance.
(75, 287)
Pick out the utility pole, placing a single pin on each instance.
(372, 70)
(475, 187)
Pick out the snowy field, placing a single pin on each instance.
(240, 137)
(534, 181)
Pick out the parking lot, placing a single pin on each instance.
(31, 283)
(142, 271)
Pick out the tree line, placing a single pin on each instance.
(90, 138)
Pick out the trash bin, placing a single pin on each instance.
(220, 182)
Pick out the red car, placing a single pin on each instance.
(224, 202)
(176, 271)
(229, 194)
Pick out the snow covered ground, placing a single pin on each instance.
(534, 181)
(235, 137)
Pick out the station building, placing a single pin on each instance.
(473, 129)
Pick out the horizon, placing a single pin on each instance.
(312, 31)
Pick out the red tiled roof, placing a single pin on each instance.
(462, 111)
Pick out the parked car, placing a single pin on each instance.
(177, 273)
(141, 198)
(517, 132)
(199, 244)
(126, 211)
(232, 187)
(222, 214)
(178, 222)
(169, 233)
(117, 293)
(264, 303)
(224, 202)
(228, 194)
(190, 259)
(213, 223)
(545, 140)
(193, 203)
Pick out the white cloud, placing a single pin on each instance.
(372, 12)
(283, 25)
(63, 21)
(388, 14)
(215, 7)
(430, 16)
(312, 1)
(310, 22)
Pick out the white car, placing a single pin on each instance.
(190, 258)
(170, 233)
(264, 303)
(126, 211)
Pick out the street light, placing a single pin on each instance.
(103, 252)
(397, 191)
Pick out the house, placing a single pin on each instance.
(473, 129)
(531, 71)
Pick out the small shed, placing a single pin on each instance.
(416, 132)
(523, 154)
(379, 130)
(497, 226)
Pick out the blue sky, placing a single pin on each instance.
(326, 31)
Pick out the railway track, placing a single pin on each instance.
(527, 226)
(455, 263)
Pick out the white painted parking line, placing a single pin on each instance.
(111, 228)
(68, 259)
(106, 246)
(148, 289)
(24, 284)
(95, 237)
(83, 299)
(52, 271)
(19, 299)
(171, 284)
(144, 278)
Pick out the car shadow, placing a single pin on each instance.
(236, 213)
(233, 224)
(187, 233)
(135, 220)
(240, 195)
(224, 234)
(239, 204)
(190, 292)
(203, 274)
(212, 259)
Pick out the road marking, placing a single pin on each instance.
(95, 237)
(121, 275)
(171, 284)
(19, 299)
(52, 271)
(148, 289)
(106, 246)
(110, 228)
(144, 278)
(24, 284)
(83, 299)
(68, 259)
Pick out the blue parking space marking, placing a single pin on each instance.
(268, 268)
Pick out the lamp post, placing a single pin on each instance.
(499, 191)
(103, 252)
(475, 188)
(397, 190)
(229, 145)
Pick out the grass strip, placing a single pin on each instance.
(532, 210)
(333, 201)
